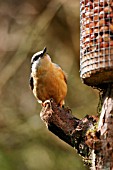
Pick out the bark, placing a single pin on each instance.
(92, 139)
(104, 156)
(70, 129)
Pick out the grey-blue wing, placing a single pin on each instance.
(31, 82)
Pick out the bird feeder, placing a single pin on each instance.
(96, 41)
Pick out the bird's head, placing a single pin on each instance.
(38, 55)
(40, 59)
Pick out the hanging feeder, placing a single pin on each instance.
(96, 41)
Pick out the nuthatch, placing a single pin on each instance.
(47, 80)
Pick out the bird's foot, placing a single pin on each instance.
(44, 104)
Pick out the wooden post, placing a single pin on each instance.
(96, 70)
(104, 157)
(94, 143)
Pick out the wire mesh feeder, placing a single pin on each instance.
(96, 41)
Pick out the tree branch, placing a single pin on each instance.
(92, 139)
(70, 129)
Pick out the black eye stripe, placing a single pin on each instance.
(36, 57)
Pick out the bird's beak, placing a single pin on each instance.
(44, 51)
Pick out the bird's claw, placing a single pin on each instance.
(47, 102)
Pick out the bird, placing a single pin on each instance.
(47, 79)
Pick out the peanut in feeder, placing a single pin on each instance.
(96, 41)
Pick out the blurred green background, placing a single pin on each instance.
(26, 27)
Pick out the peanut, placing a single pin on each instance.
(106, 37)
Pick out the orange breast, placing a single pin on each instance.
(51, 84)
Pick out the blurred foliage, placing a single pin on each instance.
(26, 27)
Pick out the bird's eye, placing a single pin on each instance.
(36, 57)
